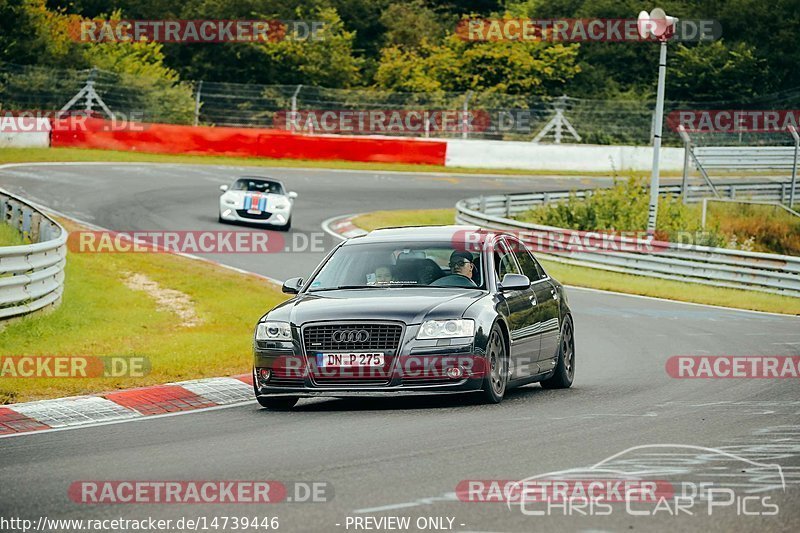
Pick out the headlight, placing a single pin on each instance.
(273, 331)
(230, 201)
(445, 329)
(281, 205)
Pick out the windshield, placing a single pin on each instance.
(404, 264)
(256, 185)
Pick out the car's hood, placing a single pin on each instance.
(411, 305)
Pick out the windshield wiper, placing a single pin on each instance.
(386, 286)
(342, 287)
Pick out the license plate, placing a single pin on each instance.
(350, 360)
(253, 212)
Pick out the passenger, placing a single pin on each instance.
(383, 275)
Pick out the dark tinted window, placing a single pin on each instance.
(256, 185)
(504, 261)
(530, 267)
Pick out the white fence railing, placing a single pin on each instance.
(721, 267)
(31, 275)
(513, 204)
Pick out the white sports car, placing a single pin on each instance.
(257, 200)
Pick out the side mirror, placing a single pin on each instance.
(514, 282)
(223, 188)
(292, 285)
(292, 195)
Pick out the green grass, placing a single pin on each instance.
(27, 155)
(101, 316)
(601, 279)
(9, 236)
(405, 217)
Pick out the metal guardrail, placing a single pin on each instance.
(513, 204)
(720, 267)
(31, 275)
(707, 158)
(746, 157)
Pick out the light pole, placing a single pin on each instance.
(658, 24)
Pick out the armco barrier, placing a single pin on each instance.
(509, 205)
(720, 267)
(31, 275)
(248, 142)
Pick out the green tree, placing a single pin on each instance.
(329, 61)
(714, 71)
(529, 68)
(408, 24)
(32, 34)
(140, 78)
(146, 83)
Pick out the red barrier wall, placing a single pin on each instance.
(248, 142)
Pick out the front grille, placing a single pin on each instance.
(261, 216)
(382, 338)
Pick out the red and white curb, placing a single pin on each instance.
(342, 227)
(124, 404)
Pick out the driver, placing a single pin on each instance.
(461, 269)
(461, 264)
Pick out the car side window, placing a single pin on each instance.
(539, 268)
(528, 264)
(504, 261)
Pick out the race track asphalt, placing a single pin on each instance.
(405, 456)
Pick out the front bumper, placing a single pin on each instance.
(424, 371)
(275, 218)
(466, 386)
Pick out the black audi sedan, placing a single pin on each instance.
(417, 310)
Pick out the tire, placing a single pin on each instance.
(565, 368)
(496, 379)
(220, 219)
(287, 226)
(277, 403)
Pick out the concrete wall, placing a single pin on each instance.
(37, 139)
(580, 157)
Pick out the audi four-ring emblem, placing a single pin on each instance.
(350, 335)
